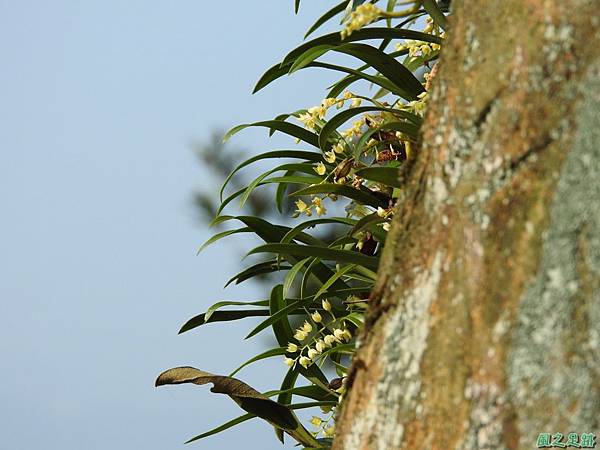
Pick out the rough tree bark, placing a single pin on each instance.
(484, 329)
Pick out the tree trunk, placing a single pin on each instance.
(484, 328)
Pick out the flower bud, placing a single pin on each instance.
(288, 362)
(305, 362)
(307, 327)
(292, 348)
(320, 345)
(300, 335)
(329, 340)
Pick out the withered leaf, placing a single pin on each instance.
(248, 398)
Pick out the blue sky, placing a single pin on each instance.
(101, 102)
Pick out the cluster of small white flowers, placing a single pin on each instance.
(314, 114)
(322, 339)
(385, 214)
(422, 48)
(418, 48)
(361, 16)
(323, 426)
(311, 119)
(416, 106)
(320, 168)
(316, 204)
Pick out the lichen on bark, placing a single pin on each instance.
(554, 354)
(487, 294)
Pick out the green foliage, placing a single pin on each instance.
(347, 178)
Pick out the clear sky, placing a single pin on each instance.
(100, 102)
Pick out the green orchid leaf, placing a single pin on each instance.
(435, 12)
(221, 235)
(261, 268)
(363, 196)
(223, 427)
(279, 314)
(281, 327)
(313, 392)
(386, 175)
(325, 141)
(324, 253)
(278, 125)
(296, 154)
(221, 316)
(409, 129)
(209, 312)
(290, 235)
(338, 274)
(291, 275)
(340, 7)
(366, 222)
(334, 39)
(365, 34)
(308, 57)
(406, 84)
(264, 355)
(301, 167)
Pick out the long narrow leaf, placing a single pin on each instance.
(261, 268)
(325, 17)
(312, 392)
(308, 57)
(386, 175)
(365, 222)
(328, 254)
(287, 387)
(272, 233)
(290, 235)
(221, 316)
(223, 427)
(407, 85)
(273, 73)
(301, 167)
(278, 125)
(361, 35)
(292, 179)
(264, 355)
(342, 84)
(338, 274)
(297, 154)
(342, 117)
(281, 328)
(281, 69)
(358, 75)
(211, 309)
(221, 235)
(435, 12)
(291, 275)
(347, 191)
(409, 129)
(276, 316)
